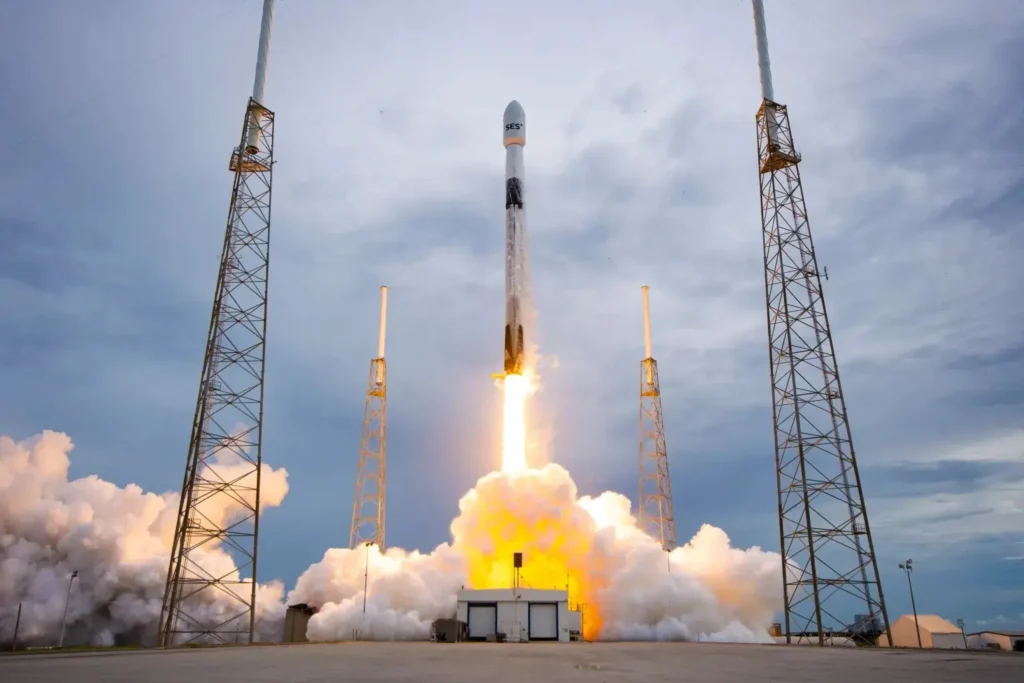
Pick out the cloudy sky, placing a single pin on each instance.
(118, 118)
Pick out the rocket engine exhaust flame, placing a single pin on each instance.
(513, 446)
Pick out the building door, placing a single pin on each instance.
(543, 621)
(483, 621)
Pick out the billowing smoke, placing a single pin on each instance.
(590, 545)
(405, 592)
(117, 539)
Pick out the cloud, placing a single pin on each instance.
(1000, 620)
(957, 492)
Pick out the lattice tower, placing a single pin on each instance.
(827, 549)
(369, 501)
(223, 467)
(655, 514)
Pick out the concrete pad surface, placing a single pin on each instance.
(517, 663)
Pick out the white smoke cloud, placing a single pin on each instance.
(118, 539)
(714, 592)
(405, 592)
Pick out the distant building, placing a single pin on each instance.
(935, 631)
(997, 640)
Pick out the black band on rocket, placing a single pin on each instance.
(513, 193)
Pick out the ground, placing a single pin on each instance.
(515, 663)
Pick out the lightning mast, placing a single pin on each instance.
(827, 550)
(368, 503)
(655, 514)
(220, 495)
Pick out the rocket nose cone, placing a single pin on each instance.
(514, 111)
(514, 124)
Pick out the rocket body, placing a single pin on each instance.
(514, 138)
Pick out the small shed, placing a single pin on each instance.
(296, 620)
(517, 615)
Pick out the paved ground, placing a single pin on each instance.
(518, 663)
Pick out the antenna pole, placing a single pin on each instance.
(260, 79)
(764, 65)
(383, 320)
(647, 324)
(647, 334)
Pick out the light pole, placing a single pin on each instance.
(17, 623)
(366, 574)
(64, 621)
(908, 567)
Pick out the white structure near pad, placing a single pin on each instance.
(517, 615)
(934, 632)
(997, 640)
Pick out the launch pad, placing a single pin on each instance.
(497, 663)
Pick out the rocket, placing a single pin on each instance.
(514, 138)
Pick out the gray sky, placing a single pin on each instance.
(118, 118)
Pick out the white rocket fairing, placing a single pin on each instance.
(514, 137)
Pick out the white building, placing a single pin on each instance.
(949, 641)
(520, 614)
(935, 632)
(1005, 640)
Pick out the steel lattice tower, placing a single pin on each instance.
(223, 467)
(827, 550)
(655, 515)
(368, 503)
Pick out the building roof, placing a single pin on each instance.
(1012, 634)
(304, 608)
(510, 594)
(932, 623)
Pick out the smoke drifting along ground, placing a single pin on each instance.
(118, 539)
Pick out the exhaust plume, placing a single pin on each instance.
(117, 539)
(592, 545)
